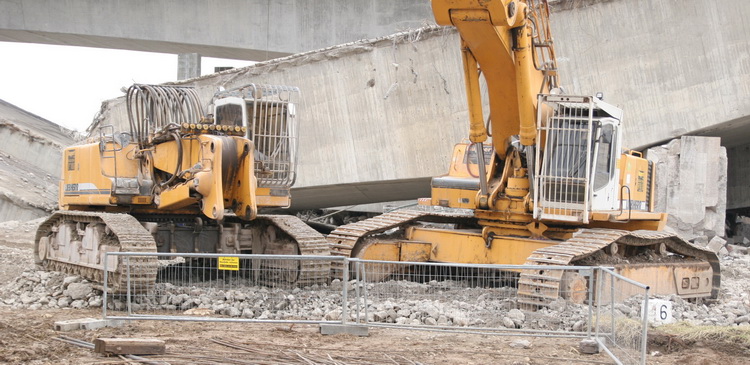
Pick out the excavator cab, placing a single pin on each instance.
(231, 112)
(576, 167)
(269, 115)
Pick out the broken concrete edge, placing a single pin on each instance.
(85, 324)
(338, 328)
(410, 36)
(691, 186)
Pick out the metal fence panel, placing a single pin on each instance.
(594, 302)
(621, 323)
(232, 287)
(468, 297)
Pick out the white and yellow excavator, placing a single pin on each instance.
(552, 188)
(166, 186)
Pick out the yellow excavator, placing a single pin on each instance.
(552, 188)
(183, 181)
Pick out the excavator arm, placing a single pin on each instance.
(498, 41)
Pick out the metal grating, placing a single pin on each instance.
(273, 128)
(561, 188)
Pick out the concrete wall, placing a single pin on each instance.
(389, 109)
(242, 29)
(675, 67)
(30, 163)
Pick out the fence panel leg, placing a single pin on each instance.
(344, 292)
(104, 294)
(644, 331)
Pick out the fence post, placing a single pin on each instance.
(644, 340)
(356, 288)
(104, 300)
(364, 290)
(591, 303)
(612, 308)
(344, 299)
(130, 309)
(599, 300)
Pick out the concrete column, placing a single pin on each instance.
(188, 66)
(691, 185)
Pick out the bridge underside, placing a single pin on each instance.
(130, 44)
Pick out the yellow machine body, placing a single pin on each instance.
(553, 184)
(201, 167)
(222, 177)
(182, 181)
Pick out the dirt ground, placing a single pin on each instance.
(28, 337)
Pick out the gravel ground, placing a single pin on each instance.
(27, 290)
(395, 301)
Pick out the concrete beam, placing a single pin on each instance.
(343, 195)
(253, 30)
(378, 119)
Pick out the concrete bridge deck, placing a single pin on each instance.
(253, 30)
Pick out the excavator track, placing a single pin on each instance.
(129, 236)
(309, 243)
(539, 287)
(535, 287)
(344, 238)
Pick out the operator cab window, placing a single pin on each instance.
(568, 155)
(605, 157)
(229, 114)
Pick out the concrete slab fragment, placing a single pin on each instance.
(350, 329)
(589, 346)
(716, 244)
(691, 180)
(72, 324)
(85, 324)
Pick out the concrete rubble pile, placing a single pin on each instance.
(436, 303)
(449, 306)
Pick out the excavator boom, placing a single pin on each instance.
(507, 43)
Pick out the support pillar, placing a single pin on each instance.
(188, 66)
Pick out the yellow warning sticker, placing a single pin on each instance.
(229, 263)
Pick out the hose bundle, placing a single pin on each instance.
(156, 108)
